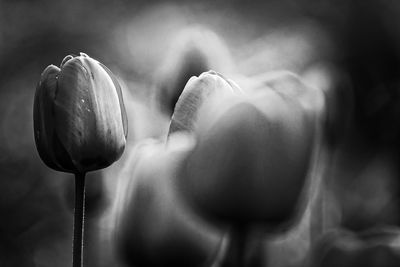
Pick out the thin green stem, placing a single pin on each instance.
(79, 219)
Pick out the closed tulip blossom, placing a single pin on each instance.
(80, 124)
(79, 117)
(250, 163)
(209, 86)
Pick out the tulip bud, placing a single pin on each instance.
(198, 90)
(345, 249)
(251, 160)
(80, 123)
(153, 226)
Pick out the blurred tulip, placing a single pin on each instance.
(152, 225)
(376, 248)
(80, 122)
(292, 86)
(251, 160)
(195, 50)
(199, 90)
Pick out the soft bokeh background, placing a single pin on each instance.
(348, 48)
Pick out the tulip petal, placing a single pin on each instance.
(42, 116)
(109, 104)
(120, 98)
(85, 110)
(186, 109)
(41, 110)
(65, 60)
(198, 90)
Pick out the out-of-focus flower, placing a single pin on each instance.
(291, 86)
(375, 248)
(208, 87)
(152, 225)
(339, 99)
(252, 157)
(80, 122)
(195, 50)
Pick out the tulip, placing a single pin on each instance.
(209, 86)
(251, 161)
(80, 122)
(153, 227)
(80, 125)
(374, 248)
(252, 152)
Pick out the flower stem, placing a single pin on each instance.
(244, 249)
(79, 219)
